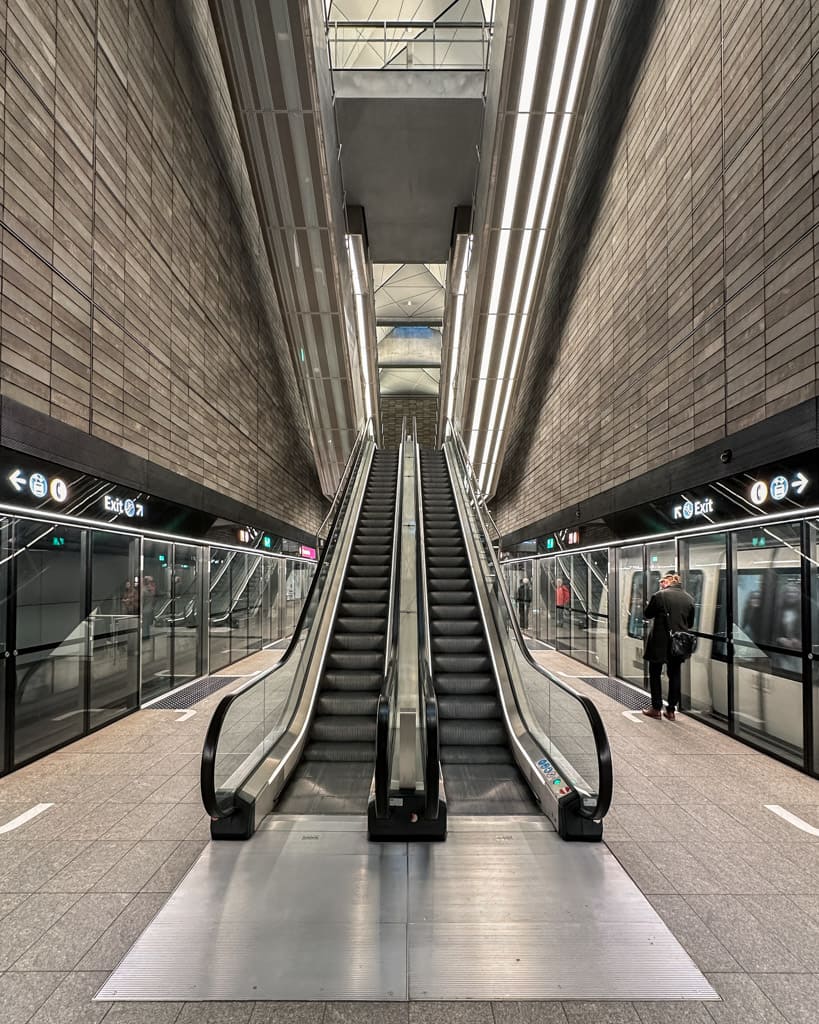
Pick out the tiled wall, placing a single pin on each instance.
(425, 411)
(132, 307)
(681, 302)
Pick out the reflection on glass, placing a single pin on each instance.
(705, 675)
(631, 596)
(113, 626)
(767, 633)
(49, 698)
(598, 617)
(155, 586)
(219, 612)
(184, 615)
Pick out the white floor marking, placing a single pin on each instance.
(186, 715)
(21, 819)
(633, 716)
(793, 819)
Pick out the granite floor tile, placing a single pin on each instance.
(137, 823)
(36, 871)
(808, 904)
(117, 939)
(10, 900)
(739, 931)
(171, 873)
(87, 869)
(646, 875)
(796, 996)
(143, 1013)
(672, 1013)
(177, 822)
(64, 944)
(780, 917)
(528, 1012)
(287, 1013)
(450, 1013)
(72, 1002)
(28, 922)
(21, 995)
(132, 872)
(704, 948)
(215, 1013)
(743, 1002)
(582, 1012)
(366, 1013)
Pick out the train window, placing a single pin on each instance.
(637, 602)
(768, 621)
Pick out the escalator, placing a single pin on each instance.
(336, 769)
(300, 736)
(479, 771)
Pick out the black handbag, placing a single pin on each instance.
(682, 644)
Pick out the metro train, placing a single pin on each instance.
(766, 627)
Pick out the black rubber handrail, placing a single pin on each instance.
(432, 755)
(383, 741)
(207, 771)
(604, 766)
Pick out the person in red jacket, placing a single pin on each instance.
(562, 600)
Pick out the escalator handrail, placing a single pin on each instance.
(429, 701)
(352, 459)
(207, 772)
(604, 767)
(383, 741)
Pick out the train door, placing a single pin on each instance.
(598, 618)
(705, 688)
(767, 634)
(639, 570)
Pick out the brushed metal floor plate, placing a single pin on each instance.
(309, 909)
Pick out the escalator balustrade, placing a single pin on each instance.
(480, 775)
(343, 728)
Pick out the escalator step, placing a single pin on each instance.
(361, 624)
(450, 612)
(458, 645)
(347, 703)
(353, 605)
(453, 754)
(344, 728)
(479, 663)
(469, 706)
(351, 682)
(354, 661)
(450, 597)
(458, 683)
(468, 732)
(357, 642)
(322, 751)
(455, 626)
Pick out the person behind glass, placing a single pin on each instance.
(671, 608)
(563, 599)
(524, 596)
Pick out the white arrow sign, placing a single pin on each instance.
(800, 483)
(17, 480)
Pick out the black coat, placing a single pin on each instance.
(679, 605)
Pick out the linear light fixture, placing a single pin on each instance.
(358, 270)
(521, 244)
(462, 256)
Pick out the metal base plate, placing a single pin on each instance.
(308, 909)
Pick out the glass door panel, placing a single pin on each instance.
(563, 598)
(219, 614)
(813, 565)
(185, 614)
(598, 608)
(51, 638)
(579, 584)
(255, 594)
(706, 675)
(113, 626)
(5, 697)
(767, 598)
(631, 602)
(156, 594)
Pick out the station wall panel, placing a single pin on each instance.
(680, 303)
(137, 303)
